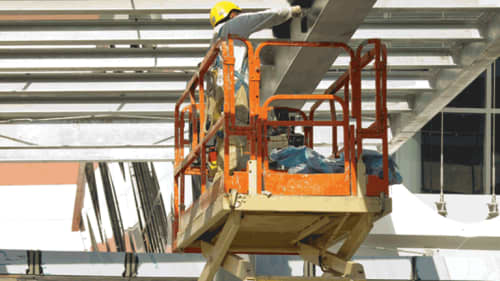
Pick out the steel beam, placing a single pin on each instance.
(474, 57)
(100, 34)
(154, 111)
(335, 21)
(431, 4)
(99, 59)
(87, 154)
(87, 133)
(179, 6)
(72, 141)
(122, 6)
(86, 85)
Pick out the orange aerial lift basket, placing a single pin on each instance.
(269, 211)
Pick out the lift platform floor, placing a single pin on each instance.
(273, 223)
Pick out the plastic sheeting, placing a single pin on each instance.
(303, 160)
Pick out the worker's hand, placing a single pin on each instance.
(296, 11)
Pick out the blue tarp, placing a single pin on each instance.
(303, 160)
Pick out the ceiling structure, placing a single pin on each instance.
(73, 89)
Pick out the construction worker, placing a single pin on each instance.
(227, 18)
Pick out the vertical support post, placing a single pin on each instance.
(230, 60)
(352, 160)
(228, 72)
(226, 236)
(385, 142)
(203, 151)
(259, 143)
(194, 119)
(355, 75)
(253, 95)
(175, 224)
(487, 131)
(182, 187)
(260, 150)
(333, 116)
(378, 87)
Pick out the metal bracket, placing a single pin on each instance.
(131, 265)
(34, 262)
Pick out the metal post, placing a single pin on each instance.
(441, 205)
(487, 132)
(493, 141)
(493, 206)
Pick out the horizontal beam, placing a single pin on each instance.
(140, 133)
(86, 154)
(147, 59)
(179, 6)
(431, 4)
(160, 110)
(99, 140)
(448, 83)
(146, 34)
(407, 60)
(80, 266)
(122, 6)
(397, 15)
(31, 85)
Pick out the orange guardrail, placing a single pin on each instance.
(280, 182)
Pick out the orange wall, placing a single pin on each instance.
(38, 173)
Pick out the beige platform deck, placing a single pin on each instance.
(274, 224)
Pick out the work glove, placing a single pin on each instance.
(296, 11)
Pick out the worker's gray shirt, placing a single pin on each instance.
(243, 26)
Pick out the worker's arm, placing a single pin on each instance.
(247, 23)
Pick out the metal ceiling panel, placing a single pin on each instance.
(64, 63)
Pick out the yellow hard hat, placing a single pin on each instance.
(221, 11)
